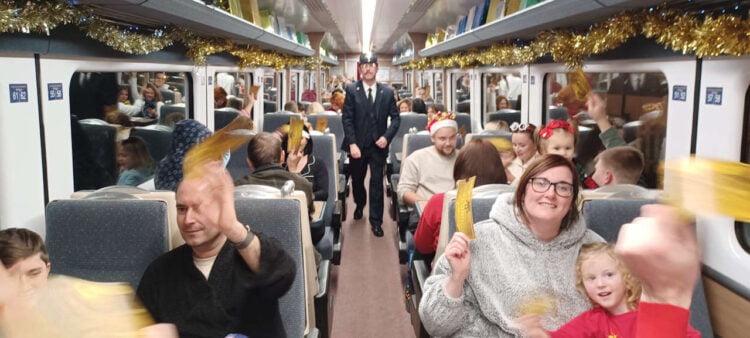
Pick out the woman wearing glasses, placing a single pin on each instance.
(526, 251)
(524, 147)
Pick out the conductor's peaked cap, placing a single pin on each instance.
(368, 57)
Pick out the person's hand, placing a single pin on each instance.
(216, 208)
(531, 326)
(152, 112)
(163, 330)
(507, 157)
(382, 142)
(293, 160)
(11, 286)
(459, 256)
(354, 151)
(662, 251)
(597, 107)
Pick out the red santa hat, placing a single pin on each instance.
(442, 120)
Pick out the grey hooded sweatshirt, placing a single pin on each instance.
(509, 267)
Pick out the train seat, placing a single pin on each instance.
(489, 136)
(273, 121)
(324, 150)
(464, 121)
(606, 216)
(104, 137)
(408, 121)
(106, 240)
(169, 109)
(507, 115)
(283, 216)
(224, 116)
(269, 106)
(166, 196)
(463, 106)
(167, 95)
(557, 113)
(335, 126)
(158, 140)
(237, 166)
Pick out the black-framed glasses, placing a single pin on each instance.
(541, 185)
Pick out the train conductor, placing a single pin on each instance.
(367, 107)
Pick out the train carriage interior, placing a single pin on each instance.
(100, 100)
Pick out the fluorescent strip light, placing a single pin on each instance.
(368, 16)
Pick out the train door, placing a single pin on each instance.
(723, 132)
(21, 145)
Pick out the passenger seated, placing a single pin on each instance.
(404, 106)
(123, 95)
(264, 156)
(524, 147)
(619, 165)
(315, 108)
(148, 105)
(225, 278)
(337, 101)
(498, 125)
(427, 171)
(185, 135)
(118, 118)
(434, 109)
(136, 164)
(23, 253)
(478, 158)
(560, 137)
(220, 98)
(418, 106)
(612, 291)
(305, 164)
(527, 249)
(501, 102)
(291, 107)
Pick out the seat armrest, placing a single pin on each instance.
(313, 333)
(421, 272)
(342, 183)
(324, 275)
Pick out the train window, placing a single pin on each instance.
(636, 106)
(743, 229)
(230, 89)
(408, 80)
(271, 90)
(107, 107)
(438, 77)
(461, 82)
(500, 91)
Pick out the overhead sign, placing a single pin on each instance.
(19, 92)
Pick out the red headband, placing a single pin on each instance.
(546, 132)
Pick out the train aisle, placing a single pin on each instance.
(368, 291)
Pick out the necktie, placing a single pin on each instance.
(369, 94)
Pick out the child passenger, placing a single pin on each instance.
(24, 255)
(560, 137)
(611, 289)
(135, 162)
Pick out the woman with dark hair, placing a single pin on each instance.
(304, 163)
(478, 158)
(525, 252)
(418, 106)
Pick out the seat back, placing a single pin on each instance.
(489, 135)
(286, 220)
(557, 113)
(166, 196)
(269, 106)
(273, 121)
(324, 150)
(158, 140)
(464, 120)
(583, 134)
(223, 116)
(335, 126)
(463, 106)
(106, 240)
(237, 166)
(280, 219)
(169, 109)
(408, 121)
(167, 95)
(480, 211)
(102, 138)
(507, 115)
(606, 216)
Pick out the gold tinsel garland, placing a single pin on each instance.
(37, 16)
(688, 33)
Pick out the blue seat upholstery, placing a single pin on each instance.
(237, 166)
(507, 115)
(106, 240)
(102, 138)
(223, 116)
(169, 109)
(269, 106)
(323, 150)
(167, 95)
(280, 219)
(408, 121)
(463, 106)
(464, 120)
(158, 140)
(606, 216)
(480, 211)
(273, 121)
